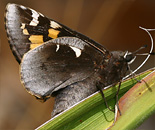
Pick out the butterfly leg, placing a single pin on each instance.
(99, 87)
(117, 97)
(133, 75)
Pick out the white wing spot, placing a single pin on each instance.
(35, 16)
(23, 7)
(77, 51)
(23, 26)
(58, 46)
(54, 25)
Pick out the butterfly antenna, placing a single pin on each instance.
(148, 54)
(143, 47)
(145, 54)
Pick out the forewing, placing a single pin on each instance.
(56, 64)
(27, 29)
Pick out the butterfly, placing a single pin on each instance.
(58, 61)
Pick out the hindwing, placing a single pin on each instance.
(56, 64)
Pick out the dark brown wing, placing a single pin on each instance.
(27, 29)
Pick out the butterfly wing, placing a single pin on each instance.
(52, 56)
(27, 29)
(56, 64)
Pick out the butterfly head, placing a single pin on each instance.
(121, 60)
(124, 59)
(131, 56)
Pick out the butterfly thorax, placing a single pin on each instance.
(113, 69)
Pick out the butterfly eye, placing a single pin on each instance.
(130, 58)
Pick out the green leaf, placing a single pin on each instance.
(92, 114)
(137, 104)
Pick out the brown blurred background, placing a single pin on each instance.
(113, 23)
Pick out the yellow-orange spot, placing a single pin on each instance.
(34, 45)
(25, 32)
(36, 38)
(53, 33)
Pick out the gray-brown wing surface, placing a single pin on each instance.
(56, 64)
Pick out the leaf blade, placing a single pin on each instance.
(90, 111)
(138, 100)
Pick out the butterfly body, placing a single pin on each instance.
(57, 61)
